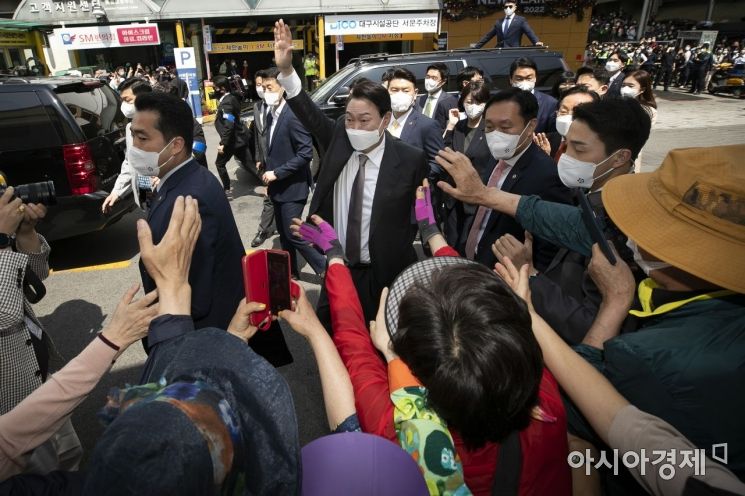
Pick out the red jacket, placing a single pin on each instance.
(544, 443)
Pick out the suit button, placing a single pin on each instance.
(37, 373)
(28, 342)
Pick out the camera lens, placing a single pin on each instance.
(42, 192)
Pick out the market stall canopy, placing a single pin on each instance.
(92, 11)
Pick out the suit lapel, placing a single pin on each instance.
(387, 180)
(277, 126)
(513, 176)
(173, 181)
(333, 163)
(258, 110)
(409, 126)
(478, 137)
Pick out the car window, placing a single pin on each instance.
(419, 69)
(96, 111)
(497, 69)
(332, 84)
(24, 122)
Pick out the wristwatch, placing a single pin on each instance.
(6, 240)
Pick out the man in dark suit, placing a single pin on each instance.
(289, 150)
(523, 75)
(509, 30)
(163, 124)
(367, 179)
(522, 168)
(228, 125)
(436, 104)
(257, 144)
(615, 65)
(409, 124)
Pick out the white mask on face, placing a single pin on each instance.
(431, 85)
(362, 139)
(146, 163)
(525, 85)
(629, 92)
(645, 265)
(128, 109)
(575, 173)
(502, 145)
(260, 91)
(474, 111)
(401, 102)
(563, 122)
(509, 11)
(612, 66)
(271, 98)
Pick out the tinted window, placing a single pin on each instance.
(375, 73)
(24, 124)
(497, 70)
(96, 111)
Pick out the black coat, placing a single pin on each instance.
(402, 170)
(288, 155)
(445, 102)
(228, 123)
(513, 37)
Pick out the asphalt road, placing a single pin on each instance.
(92, 272)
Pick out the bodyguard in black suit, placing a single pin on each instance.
(524, 75)
(436, 104)
(509, 30)
(381, 245)
(228, 125)
(615, 65)
(522, 168)
(289, 150)
(163, 124)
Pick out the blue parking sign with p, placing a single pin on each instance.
(186, 66)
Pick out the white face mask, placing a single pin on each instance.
(271, 98)
(362, 139)
(645, 265)
(401, 102)
(629, 92)
(509, 11)
(612, 66)
(563, 122)
(525, 85)
(474, 111)
(431, 85)
(260, 91)
(502, 145)
(128, 109)
(146, 163)
(578, 174)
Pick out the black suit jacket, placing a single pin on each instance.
(445, 102)
(547, 106)
(256, 138)
(289, 151)
(402, 170)
(228, 123)
(518, 27)
(216, 275)
(424, 133)
(534, 174)
(459, 215)
(614, 89)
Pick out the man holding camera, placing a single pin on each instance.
(24, 347)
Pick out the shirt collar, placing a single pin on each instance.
(170, 173)
(402, 120)
(436, 94)
(512, 161)
(278, 109)
(375, 155)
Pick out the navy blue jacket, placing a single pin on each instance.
(216, 275)
(288, 155)
(518, 27)
(424, 133)
(547, 106)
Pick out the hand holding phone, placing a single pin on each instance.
(266, 279)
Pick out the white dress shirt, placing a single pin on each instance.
(401, 123)
(343, 194)
(510, 165)
(276, 111)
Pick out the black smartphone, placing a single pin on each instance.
(278, 268)
(593, 226)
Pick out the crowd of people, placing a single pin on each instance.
(621, 27)
(573, 327)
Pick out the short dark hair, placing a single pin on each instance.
(441, 68)
(403, 73)
(468, 338)
(387, 75)
(376, 94)
(618, 122)
(271, 73)
(467, 73)
(524, 99)
(621, 55)
(479, 90)
(174, 116)
(523, 62)
(221, 82)
(579, 90)
(137, 85)
(261, 73)
(601, 75)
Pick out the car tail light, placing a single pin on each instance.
(81, 171)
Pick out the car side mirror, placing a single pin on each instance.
(341, 96)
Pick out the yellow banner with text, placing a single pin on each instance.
(251, 46)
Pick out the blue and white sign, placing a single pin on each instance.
(186, 66)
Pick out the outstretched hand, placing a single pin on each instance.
(468, 185)
(131, 318)
(320, 234)
(517, 279)
(283, 47)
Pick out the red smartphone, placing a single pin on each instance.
(266, 279)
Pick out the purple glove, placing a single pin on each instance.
(323, 237)
(425, 216)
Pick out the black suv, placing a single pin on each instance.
(69, 131)
(332, 95)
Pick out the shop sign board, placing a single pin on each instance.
(251, 46)
(393, 23)
(10, 38)
(375, 38)
(118, 35)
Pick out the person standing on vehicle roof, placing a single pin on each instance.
(510, 29)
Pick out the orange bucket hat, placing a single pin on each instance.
(689, 213)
